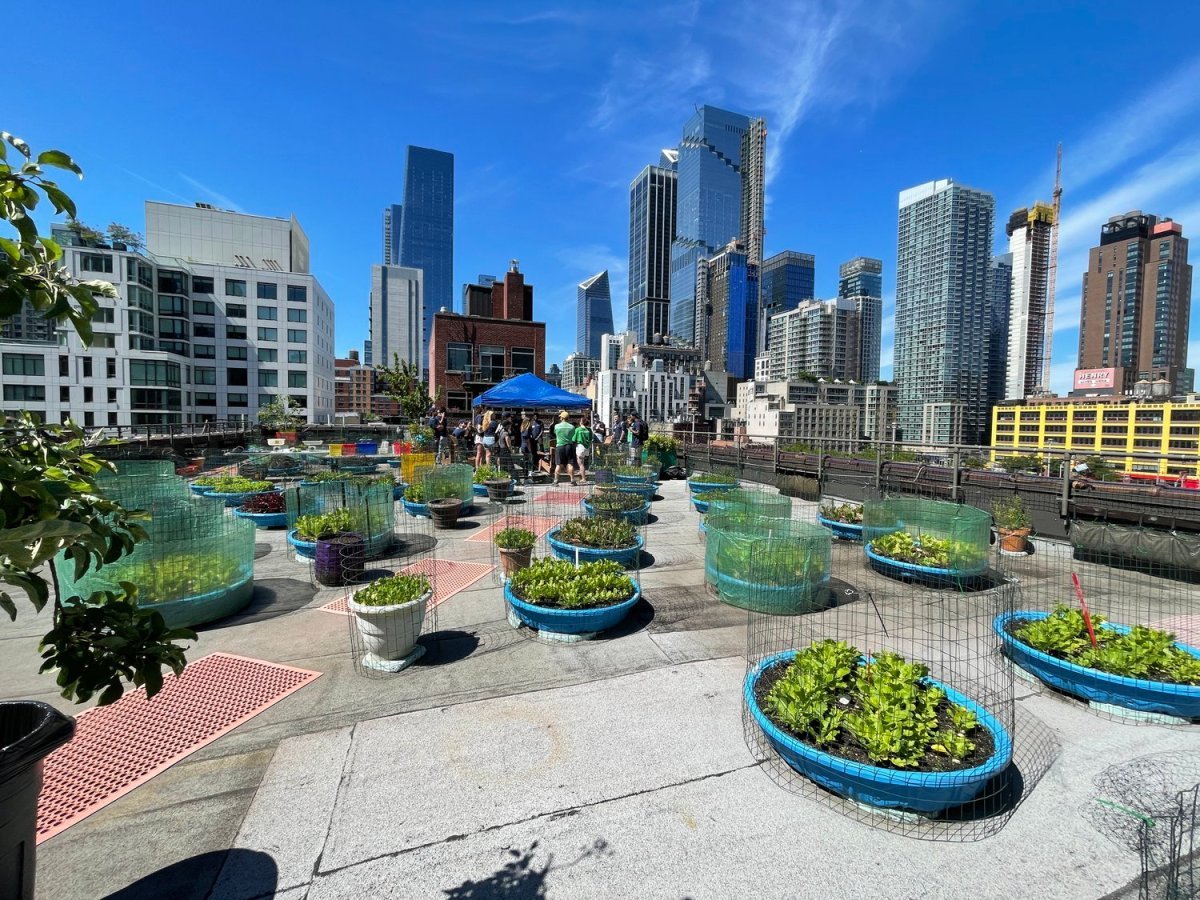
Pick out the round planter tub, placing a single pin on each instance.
(699, 487)
(923, 792)
(304, 549)
(189, 611)
(1180, 700)
(780, 600)
(701, 505)
(847, 531)
(416, 510)
(625, 557)
(199, 489)
(924, 574)
(236, 499)
(645, 491)
(570, 621)
(263, 520)
(632, 516)
(632, 479)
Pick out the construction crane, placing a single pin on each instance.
(1051, 275)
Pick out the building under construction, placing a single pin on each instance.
(1029, 232)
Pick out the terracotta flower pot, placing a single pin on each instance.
(1016, 540)
(445, 512)
(513, 560)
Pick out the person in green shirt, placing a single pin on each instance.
(583, 447)
(564, 447)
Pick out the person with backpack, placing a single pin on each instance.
(638, 433)
(564, 447)
(583, 447)
(617, 435)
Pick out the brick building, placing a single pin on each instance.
(470, 353)
(356, 389)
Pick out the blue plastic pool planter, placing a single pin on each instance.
(924, 574)
(701, 505)
(923, 792)
(1182, 700)
(632, 479)
(236, 499)
(263, 520)
(398, 490)
(699, 487)
(645, 491)
(564, 550)
(847, 531)
(773, 599)
(304, 549)
(480, 490)
(416, 510)
(188, 611)
(632, 516)
(571, 621)
(199, 489)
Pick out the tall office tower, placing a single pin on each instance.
(821, 338)
(593, 315)
(943, 250)
(999, 296)
(754, 184)
(1137, 302)
(651, 231)
(419, 233)
(861, 279)
(783, 281)
(397, 315)
(730, 315)
(1029, 245)
(709, 205)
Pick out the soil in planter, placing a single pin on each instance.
(845, 747)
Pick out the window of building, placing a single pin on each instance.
(205, 375)
(297, 315)
(112, 395)
(264, 399)
(235, 310)
(268, 290)
(153, 373)
(298, 356)
(25, 393)
(110, 368)
(100, 341)
(204, 308)
(301, 400)
(202, 284)
(179, 348)
(268, 378)
(235, 287)
(268, 334)
(297, 293)
(95, 262)
(297, 336)
(103, 314)
(204, 351)
(64, 366)
(491, 363)
(268, 313)
(297, 379)
(173, 329)
(64, 394)
(206, 398)
(25, 364)
(87, 367)
(236, 353)
(268, 354)
(237, 376)
(235, 332)
(458, 357)
(172, 306)
(522, 360)
(172, 282)
(204, 330)
(239, 401)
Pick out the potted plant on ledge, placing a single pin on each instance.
(587, 540)
(875, 729)
(1136, 668)
(516, 549)
(664, 447)
(1013, 524)
(568, 602)
(389, 614)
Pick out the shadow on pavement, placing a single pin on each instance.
(195, 876)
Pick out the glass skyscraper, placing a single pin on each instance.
(709, 207)
(861, 279)
(999, 291)
(941, 363)
(593, 315)
(651, 231)
(728, 294)
(419, 233)
(784, 280)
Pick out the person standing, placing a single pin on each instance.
(477, 430)
(617, 436)
(535, 442)
(490, 426)
(599, 431)
(564, 447)
(583, 447)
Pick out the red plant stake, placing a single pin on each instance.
(1087, 616)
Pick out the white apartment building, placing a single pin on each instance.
(576, 371)
(654, 394)
(216, 318)
(398, 316)
(821, 337)
(838, 414)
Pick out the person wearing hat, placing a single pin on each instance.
(564, 447)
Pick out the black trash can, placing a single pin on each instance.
(29, 731)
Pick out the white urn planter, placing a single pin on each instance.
(389, 633)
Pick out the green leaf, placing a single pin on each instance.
(18, 144)
(62, 203)
(59, 160)
(12, 248)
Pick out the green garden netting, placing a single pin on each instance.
(137, 467)
(752, 501)
(449, 482)
(371, 503)
(960, 533)
(767, 565)
(140, 484)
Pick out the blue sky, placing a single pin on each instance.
(551, 110)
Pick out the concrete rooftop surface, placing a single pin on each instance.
(505, 766)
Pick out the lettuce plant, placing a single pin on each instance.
(850, 513)
(560, 583)
(393, 590)
(599, 534)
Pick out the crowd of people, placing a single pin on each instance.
(561, 449)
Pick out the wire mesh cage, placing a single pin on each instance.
(345, 517)
(768, 565)
(1111, 618)
(928, 541)
(753, 500)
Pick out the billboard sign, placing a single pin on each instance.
(1095, 379)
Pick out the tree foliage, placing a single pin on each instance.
(279, 414)
(50, 505)
(401, 383)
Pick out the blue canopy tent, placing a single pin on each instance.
(530, 392)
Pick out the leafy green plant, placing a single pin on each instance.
(489, 473)
(234, 484)
(559, 583)
(628, 471)
(833, 697)
(279, 413)
(661, 444)
(930, 551)
(616, 501)
(1010, 513)
(850, 513)
(176, 576)
(402, 384)
(1018, 462)
(415, 493)
(421, 435)
(393, 590)
(270, 502)
(515, 539)
(1142, 652)
(712, 478)
(325, 525)
(599, 534)
(769, 561)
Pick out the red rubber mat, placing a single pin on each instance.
(448, 579)
(118, 747)
(539, 525)
(564, 495)
(1186, 629)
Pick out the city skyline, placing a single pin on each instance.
(1127, 145)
